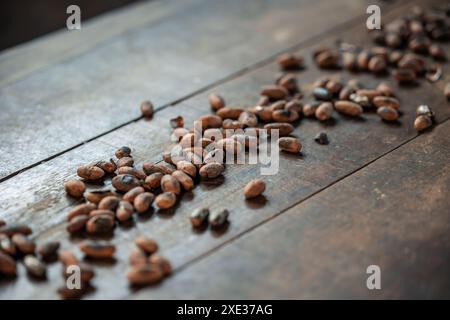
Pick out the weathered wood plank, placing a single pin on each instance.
(298, 177)
(60, 106)
(393, 213)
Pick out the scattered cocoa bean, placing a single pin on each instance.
(132, 171)
(424, 110)
(289, 61)
(81, 210)
(49, 250)
(123, 152)
(254, 188)
(422, 122)
(147, 245)
(77, 224)
(35, 267)
(232, 124)
(229, 113)
(7, 265)
(13, 229)
(178, 133)
(75, 188)
(165, 200)
(199, 216)
(289, 82)
(322, 94)
(382, 101)
(404, 75)
(216, 101)
(187, 168)
(218, 218)
(274, 92)
(124, 211)
(349, 61)
(107, 166)
(90, 172)
(147, 109)
(97, 249)
(289, 144)
(125, 182)
(348, 108)
(284, 129)
(184, 180)
(125, 162)
(170, 184)
(131, 195)
(309, 109)
(109, 203)
(97, 195)
(363, 59)
(210, 121)
(143, 201)
(100, 224)
(7, 246)
(153, 181)
(144, 274)
(162, 263)
(23, 244)
(387, 113)
(327, 59)
(102, 212)
(385, 89)
(285, 115)
(67, 258)
(137, 256)
(324, 111)
(211, 170)
(377, 65)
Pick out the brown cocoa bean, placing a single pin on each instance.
(230, 146)
(75, 188)
(348, 108)
(254, 188)
(437, 52)
(97, 249)
(289, 61)
(125, 182)
(424, 110)
(137, 256)
(309, 109)
(232, 124)
(187, 168)
(132, 194)
(77, 224)
(143, 201)
(383, 101)
(385, 89)
(216, 101)
(97, 195)
(153, 181)
(211, 170)
(346, 92)
(7, 265)
(274, 92)
(100, 212)
(100, 224)
(178, 133)
(123, 152)
(139, 174)
(199, 216)
(147, 109)
(144, 274)
(404, 75)
(49, 250)
(185, 180)
(333, 87)
(289, 82)
(35, 267)
(215, 155)
(369, 93)
(294, 105)
(177, 122)
(229, 113)
(387, 113)
(284, 129)
(81, 210)
(23, 244)
(7, 246)
(327, 59)
(285, 115)
(377, 65)
(147, 245)
(107, 166)
(165, 200)
(422, 122)
(109, 203)
(13, 229)
(170, 184)
(324, 111)
(162, 263)
(349, 61)
(262, 112)
(210, 121)
(290, 144)
(67, 258)
(322, 94)
(125, 162)
(90, 172)
(124, 211)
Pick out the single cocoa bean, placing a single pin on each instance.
(404, 75)
(125, 182)
(90, 172)
(177, 122)
(97, 249)
(349, 61)
(387, 113)
(153, 181)
(348, 108)
(125, 162)
(210, 121)
(75, 188)
(211, 170)
(285, 115)
(102, 212)
(385, 89)
(216, 101)
(7, 246)
(187, 168)
(254, 188)
(35, 267)
(100, 224)
(284, 129)
(229, 113)
(162, 263)
(23, 244)
(328, 59)
(123, 152)
(13, 229)
(109, 203)
(81, 210)
(170, 184)
(124, 211)
(7, 265)
(107, 166)
(132, 171)
(147, 109)
(178, 133)
(137, 256)
(324, 111)
(67, 258)
(144, 274)
(382, 101)
(218, 218)
(133, 193)
(309, 109)
(49, 250)
(362, 60)
(274, 92)
(185, 180)
(143, 201)
(322, 94)
(97, 195)
(294, 105)
(422, 122)
(289, 144)
(232, 124)
(377, 65)
(424, 110)
(147, 245)
(77, 224)
(289, 61)
(165, 200)
(199, 216)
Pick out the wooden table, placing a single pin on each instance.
(378, 194)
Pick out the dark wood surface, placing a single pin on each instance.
(307, 187)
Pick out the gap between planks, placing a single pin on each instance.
(324, 35)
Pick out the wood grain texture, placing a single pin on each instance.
(174, 54)
(354, 143)
(393, 213)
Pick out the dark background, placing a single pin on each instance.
(24, 20)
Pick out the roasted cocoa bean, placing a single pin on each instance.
(97, 249)
(216, 101)
(211, 170)
(424, 110)
(75, 188)
(383, 101)
(162, 263)
(248, 119)
(123, 152)
(369, 93)
(100, 212)
(100, 224)
(144, 274)
(217, 219)
(285, 115)
(333, 87)
(97, 195)
(187, 168)
(124, 211)
(199, 216)
(346, 91)
(322, 94)
(77, 224)
(284, 129)
(324, 111)
(143, 201)
(377, 65)
(321, 82)
(13, 229)
(404, 75)
(254, 188)
(294, 105)
(321, 138)
(348, 108)
(35, 267)
(289, 144)
(153, 181)
(309, 109)
(170, 184)
(387, 113)
(7, 265)
(422, 122)
(7, 246)
(232, 124)
(125, 162)
(109, 203)
(274, 92)
(210, 121)
(263, 113)
(107, 166)
(328, 59)
(229, 113)
(289, 61)
(147, 109)
(125, 182)
(49, 250)
(132, 171)
(23, 244)
(385, 89)
(147, 245)
(185, 180)
(137, 256)
(81, 210)
(67, 258)
(165, 200)
(349, 61)
(131, 195)
(90, 172)
(363, 59)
